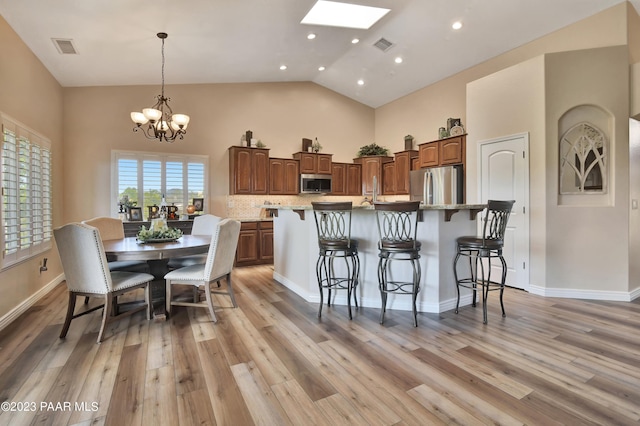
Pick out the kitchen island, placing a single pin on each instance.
(296, 253)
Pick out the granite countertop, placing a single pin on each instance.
(253, 219)
(370, 207)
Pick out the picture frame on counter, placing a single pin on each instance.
(198, 203)
(135, 214)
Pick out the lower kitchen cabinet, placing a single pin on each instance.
(255, 243)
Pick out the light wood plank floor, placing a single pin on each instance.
(272, 362)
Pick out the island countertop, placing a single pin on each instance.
(449, 209)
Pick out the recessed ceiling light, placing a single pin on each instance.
(355, 41)
(311, 36)
(335, 14)
(360, 82)
(456, 25)
(398, 60)
(283, 67)
(321, 68)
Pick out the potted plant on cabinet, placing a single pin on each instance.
(372, 149)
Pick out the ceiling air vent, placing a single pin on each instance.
(65, 46)
(383, 44)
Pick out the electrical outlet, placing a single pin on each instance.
(230, 204)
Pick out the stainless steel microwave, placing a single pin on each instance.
(315, 184)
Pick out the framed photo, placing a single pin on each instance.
(154, 212)
(452, 122)
(198, 203)
(135, 214)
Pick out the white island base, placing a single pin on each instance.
(296, 253)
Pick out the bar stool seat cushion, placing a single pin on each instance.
(342, 244)
(475, 243)
(400, 245)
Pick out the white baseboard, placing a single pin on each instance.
(618, 296)
(400, 303)
(11, 316)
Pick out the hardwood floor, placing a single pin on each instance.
(272, 362)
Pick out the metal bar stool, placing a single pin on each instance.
(333, 222)
(398, 230)
(488, 247)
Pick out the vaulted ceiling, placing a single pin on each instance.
(229, 41)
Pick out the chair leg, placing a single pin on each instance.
(319, 267)
(484, 282)
(207, 287)
(382, 283)
(147, 299)
(167, 299)
(502, 283)
(70, 309)
(416, 288)
(233, 298)
(196, 294)
(455, 276)
(356, 278)
(349, 278)
(106, 313)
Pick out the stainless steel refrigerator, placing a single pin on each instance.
(437, 185)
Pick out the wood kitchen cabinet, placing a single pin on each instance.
(255, 243)
(452, 150)
(403, 165)
(312, 163)
(372, 166)
(284, 176)
(443, 152)
(389, 178)
(248, 170)
(346, 179)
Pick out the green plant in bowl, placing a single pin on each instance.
(372, 149)
(167, 234)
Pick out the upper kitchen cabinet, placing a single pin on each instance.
(346, 179)
(284, 176)
(248, 170)
(442, 152)
(372, 167)
(312, 163)
(403, 165)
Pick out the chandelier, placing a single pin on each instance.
(164, 125)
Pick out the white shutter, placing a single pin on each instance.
(174, 184)
(26, 212)
(9, 194)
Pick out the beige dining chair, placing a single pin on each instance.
(112, 229)
(218, 266)
(86, 273)
(202, 225)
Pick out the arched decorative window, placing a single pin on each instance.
(583, 160)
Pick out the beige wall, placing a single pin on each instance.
(280, 114)
(500, 105)
(30, 95)
(421, 113)
(587, 242)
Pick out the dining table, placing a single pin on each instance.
(157, 255)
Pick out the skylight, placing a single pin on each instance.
(335, 14)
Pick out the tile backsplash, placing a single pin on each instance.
(247, 206)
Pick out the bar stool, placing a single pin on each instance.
(398, 230)
(333, 222)
(488, 247)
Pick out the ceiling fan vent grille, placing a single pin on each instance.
(65, 46)
(383, 44)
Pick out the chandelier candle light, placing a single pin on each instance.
(164, 125)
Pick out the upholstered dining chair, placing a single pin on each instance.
(112, 229)
(218, 266)
(87, 274)
(202, 225)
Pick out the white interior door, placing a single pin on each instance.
(504, 175)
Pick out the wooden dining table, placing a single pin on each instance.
(157, 255)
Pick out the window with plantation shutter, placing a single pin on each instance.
(144, 177)
(26, 212)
